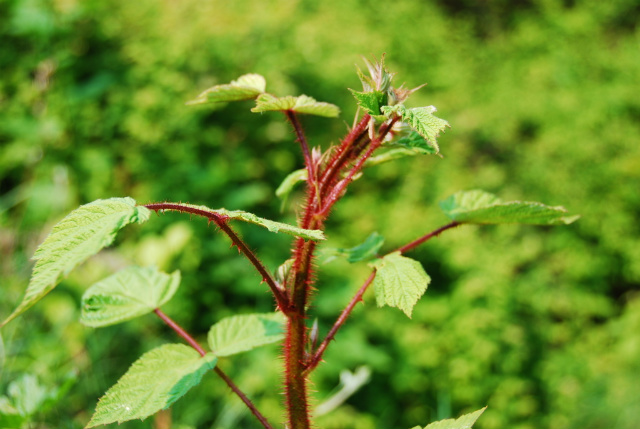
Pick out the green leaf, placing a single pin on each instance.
(27, 394)
(301, 104)
(246, 87)
(154, 382)
(421, 119)
(237, 334)
(390, 155)
(129, 293)
(484, 208)
(399, 281)
(464, 422)
(370, 101)
(366, 250)
(83, 233)
(308, 234)
(289, 182)
(415, 142)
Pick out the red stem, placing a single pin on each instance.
(221, 221)
(419, 241)
(193, 343)
(317, 356)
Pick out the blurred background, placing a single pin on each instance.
(540, 324)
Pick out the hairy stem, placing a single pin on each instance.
(193, 343)
(221, 221)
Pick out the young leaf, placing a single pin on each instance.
(83, 233)
(289, 182)
(154, 382)
(370, 101)
(415, 142)
(399, 282)
(484, 208)
(301, 104)
(246, 87)
(366, 250)
(129, 293)
(421, 119)
(237, 334)
(308, 234)
(464, 422)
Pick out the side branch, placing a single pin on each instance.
(221, 221)
(317, 356)
(419, 241)
(193, 343)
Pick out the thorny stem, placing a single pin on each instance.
(337, 191)
(221, 221)
(343, 154)
(193, 343)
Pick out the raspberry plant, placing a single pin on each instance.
(384, 129)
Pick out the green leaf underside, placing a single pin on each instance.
(421, 119)
(399, 281)
(290, 182)
(300, 104)
(246, 87)
(370, 101)
(81, 234)
(364, 251)
(129, 293)
(308, 234)
(415, 142)
(484, 208)
(154, 382)
(464, 422)
(238, 334)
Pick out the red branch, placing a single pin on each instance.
(317, 356)
(193, 343)
(221, 221)
(419, 241)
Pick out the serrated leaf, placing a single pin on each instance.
(129, 293)
(399, 281)
(246, 87)
(390, 155)
(300, 104)
(415, 142)
(364, 251)
(464, 422)
(238, 334)
(154, 382)
(421, 119)
(370, 101)
(484, 208)
(308, 234)
(83, 233)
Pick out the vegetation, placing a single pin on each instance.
(541, 99)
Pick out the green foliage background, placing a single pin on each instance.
(540, 324)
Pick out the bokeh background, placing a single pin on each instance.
(540, 324)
